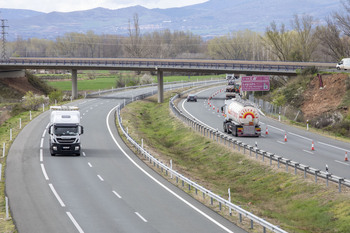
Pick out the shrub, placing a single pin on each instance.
(55, 95)
(32, 101)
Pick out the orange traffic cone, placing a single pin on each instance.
(218, 110)
(266, 131)
(312, 146)
(346, 156)
(285, 137)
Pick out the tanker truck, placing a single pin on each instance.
(241, 119)
(65, 130)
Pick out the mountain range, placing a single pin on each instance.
(208, 19)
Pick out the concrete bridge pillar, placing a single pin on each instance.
(160, 86)
(74, 84)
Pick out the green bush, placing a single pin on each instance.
(55, 95)
(32, 101)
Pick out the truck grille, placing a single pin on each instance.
(66, 140)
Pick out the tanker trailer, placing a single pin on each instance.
(241, 119)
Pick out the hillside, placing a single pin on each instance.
(211, 18)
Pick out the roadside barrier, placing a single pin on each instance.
(235, 143)
(191, 184)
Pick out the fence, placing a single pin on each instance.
(191, 184)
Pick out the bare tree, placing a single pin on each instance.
(306, 40)
(134, 46)
(332, 44)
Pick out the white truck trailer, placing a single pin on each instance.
(241, 119)
(65, 130)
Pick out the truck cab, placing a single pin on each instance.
(65, 130)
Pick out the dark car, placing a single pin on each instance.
(191, 97)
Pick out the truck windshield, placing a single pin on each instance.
(66, 130)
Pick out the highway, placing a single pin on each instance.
(298, 146)
(106, 189)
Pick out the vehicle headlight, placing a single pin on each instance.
(77, 147)
(54, 147)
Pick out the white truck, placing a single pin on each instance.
(344, 64)
(241, 119)
(65, 130)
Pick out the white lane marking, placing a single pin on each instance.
(270, 126)
(89, 164)
(75, 222)
(308, 152)
(342, 162)
(297, 135)
(339, 148)
(47, 126)
(56, 195)
(41, 155)
(281, 142)
(140, 216)
(42, 143)
(158, 182)
(44, 133)
(84, 154)
(100, 177)
(44, 171)
(115, 193)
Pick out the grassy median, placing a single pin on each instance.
(293, 203)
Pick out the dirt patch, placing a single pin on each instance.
(20, 84)
(318, 101)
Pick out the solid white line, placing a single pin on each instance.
(44, 171)
(300, 136)
(140, 216)
(339, 148)
(117, 194)
(100, 177)
(342, 162)
(89, 164)
(56, 195)
(308, 152)
(270, 126)
(158, 182)
(41, 155)
(42, 143)
(75, 222)
(281, 142)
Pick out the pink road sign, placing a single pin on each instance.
(255, 83)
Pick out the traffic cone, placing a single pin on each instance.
(346, 156)
(266, 131)
(218, 110)
(312, 146)
(285, 137)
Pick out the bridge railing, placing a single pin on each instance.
(173, 64)
(191, 184)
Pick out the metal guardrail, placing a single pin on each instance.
(228, 140)
(253, 218)
(173, 65)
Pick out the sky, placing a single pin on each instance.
(76, 5)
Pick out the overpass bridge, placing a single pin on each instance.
(159, 66)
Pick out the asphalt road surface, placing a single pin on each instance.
(106, 189)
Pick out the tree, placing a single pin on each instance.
(134, 46)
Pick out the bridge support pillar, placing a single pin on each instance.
(74, 84)
(160, 86)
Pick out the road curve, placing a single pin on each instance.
(104, 190)
(299, 141)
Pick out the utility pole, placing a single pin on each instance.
(3, 39)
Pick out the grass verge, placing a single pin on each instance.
(295, 204)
